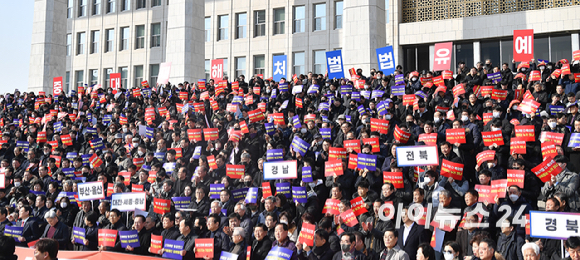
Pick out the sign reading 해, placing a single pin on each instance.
(553, 225)
(128, 201)
(417, 155)
(91, 191)
(280, 170)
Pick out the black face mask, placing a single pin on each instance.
(248, 183)
(158, 179)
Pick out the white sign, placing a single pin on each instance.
(2, 180)
(164, 71)
(91, 191)
(417, 155)
(280, 170)
(554, 225)
(128, 201)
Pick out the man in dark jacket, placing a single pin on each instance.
(188, 238)
(321, 251)
(56, 230)
(348, 248)
(80, 221)
(221, 240)
(262, 243)
(115, 224)
(509, 244)
(239, 245)
(144, 237)
(30, 230)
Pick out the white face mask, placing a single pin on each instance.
(495, 129)
(125, 130)
(464, 118)
(303, 130)
(496, 114)
(514, 197)
(549, 67)
(515, 107)
(552, 124)
(427, 179)
(140, 153)
(17, 184)
(388, 117)
(436, 120)
(63, 205)
(524, 69)
(542, 67)
(414, 79)
(448, 256)
(490, 165)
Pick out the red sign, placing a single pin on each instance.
(517, 145)
(438, 81)
(549, 150)
(332, 168)
(211, 162)
(56, 86)
(95, 161)
(266, 189)
(447, 74)
(458, 90)
(374, 142)
(455, 135)
(516, 177)
(336, 153)
(66, 140)
(235, 171)
(526, 132)
(485, 156)
(352, 161)
(217, 69)
(136, 188)
(400, 135)
(210, 134)
(546, 169)
(156, 244)
(499, 94)
(408, 99)
(107, 237)
(492, 137)
(307, 234)
(115, 81)
(523, 45)
(428, 139)
(204, 247)
(380, 125)
(349, 218)
(576, 55)
(41, 137)
(396, 178)
(194, 135)
(452, 170)
(442, 59)
(484, 193)
(353, 144)
(535, 75)
(358, 206)
(161, 206)
(331, 206)
(256, 115)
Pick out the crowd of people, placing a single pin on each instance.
(98, 133)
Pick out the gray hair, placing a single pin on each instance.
(446, 193)
(218, 202)
(50, 214)
(242, 206)
(531, 245)
(239, 231)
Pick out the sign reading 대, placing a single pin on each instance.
(417, 155)
(280, 170)
(115, 81)
(523, 45)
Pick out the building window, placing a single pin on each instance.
(125, 5)
(155, 3)
(223, 27)
(279, 21)
(107, 77)
(208, 29)
(241, 24)
(338, 15)
(298, 63)
(141, 4)
(138, 71)
(95, 37)
(207, 69)
(153, 73)
(81, 37)
(240, 66)
(79, 77)
(155, 35)
(124, 73)
(259, 64)
(82, 8)
(68, 44)
(96, 7)
(299, 19)
(140, 37)
(110, 37)
(490, 50)
(67, 81)
(110, 6)
(319, 61)
(69, 8)
(225, 61)
(124, 38)
(259, 23)
(560, 48)
(319, 17)
(94, 77)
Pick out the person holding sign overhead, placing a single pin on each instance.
(321, 249)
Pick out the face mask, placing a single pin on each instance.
(427, 179)
(414, 79)
(367, 120)
(528, 115)
(109, 159)
(490, 165)
(495, 129)
(496, 114)
(303, 130)
(345, 248)
(436, 120)
(542, 67)
(388, 117)
(514, 107)
(549, 67)
(352, 105)
(514, 197)
(464, 118)
(125, 130)
(524, 69)
(448, 256)
(140, 153)
(552, 124)
(63, 205)
(17, 184)
(221, 96)
(158, 179)
(267, 90)
(248, 183)
(327, 84)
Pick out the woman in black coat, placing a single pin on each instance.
(91, 232)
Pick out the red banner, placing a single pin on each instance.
(487, 155)
(235, 171)
(204, 247)
(358, 206)
(442, 59)
(156, 244)
(499, 94)
(523, 45)
(549, 150)
(400, 135)
(484, 193)
(161, 206)
(331, 207)
(194, 135)
(408, 99)
(455, 135)
(374, 142)
(56, 86)
(256, 115)
(336, 153)
(516, 177)
(333, 167)
(535, 75)
(107, 237)
(396, 178)
(380, 125)
(452, 170)
(307, 234)
(352, 161)
(498, 188)
(349, 218)
(353, 144)
(95, 161)
(526, 132)
(546, 169)
(557, 138)
(66, 140)
(492, 137)
(517, 145)
(210, 134)
(428, 139)
(266, 189)
(217, 69)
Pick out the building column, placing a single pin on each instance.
(476, 53)
(48, 51)
(185, 47)
(361, 37)
(575, 42)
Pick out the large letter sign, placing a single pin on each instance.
(523, 45)
(386, 60)
(334, 64)
(115, 81)
(442, 59)
(279, 67)
(56, 86)
(217, 69)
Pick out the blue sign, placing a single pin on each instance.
(279, 69)
(386, 60)
(334, 64)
